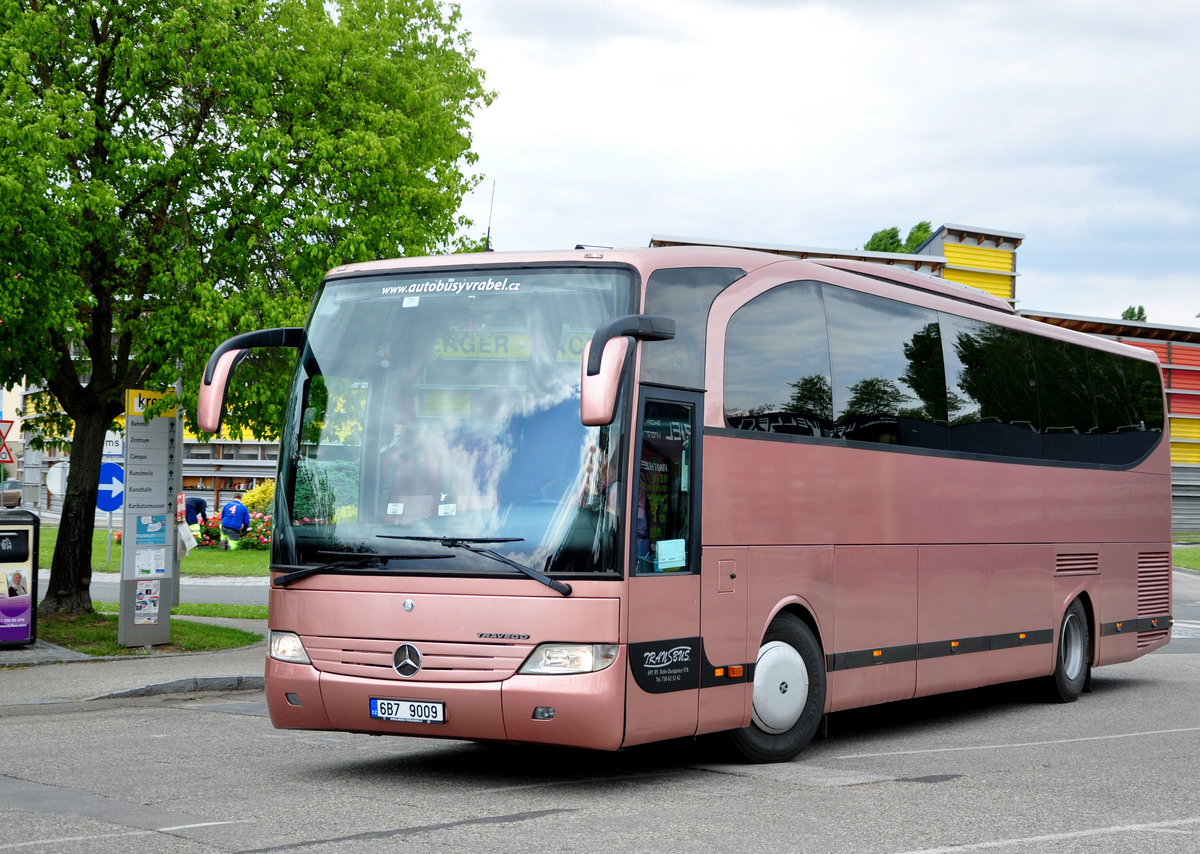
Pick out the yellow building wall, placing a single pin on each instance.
(1185, 453)
(1185, 428)
(993, 283)
(988, 268)
(980, 257)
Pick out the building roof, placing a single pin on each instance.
(1116, 328)
(959, 232)
(923, 263)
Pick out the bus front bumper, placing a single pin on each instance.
(580, 710)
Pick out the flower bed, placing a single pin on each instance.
(257, 537)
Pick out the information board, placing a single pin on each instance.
(148, 557)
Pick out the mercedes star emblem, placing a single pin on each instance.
(407, 660)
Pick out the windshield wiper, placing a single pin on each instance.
(351, 560)
(471, 544)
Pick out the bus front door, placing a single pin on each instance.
(663, 681)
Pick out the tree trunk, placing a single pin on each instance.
(71, 569)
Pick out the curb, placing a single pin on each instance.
(187, 686)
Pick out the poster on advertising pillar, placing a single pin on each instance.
(153, 476)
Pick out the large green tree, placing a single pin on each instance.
(176, 171)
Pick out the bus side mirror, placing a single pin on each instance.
(598, 392)
(210, 406)
(604, 358)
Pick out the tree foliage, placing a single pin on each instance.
(175, 171)
(1135, 312)
(888, 239)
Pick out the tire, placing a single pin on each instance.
(1073, 660)
(789, 693)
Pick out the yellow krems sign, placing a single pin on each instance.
(137, 401)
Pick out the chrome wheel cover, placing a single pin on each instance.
(1071, 647)
(780, 687)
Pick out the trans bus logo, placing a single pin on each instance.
(666, 665)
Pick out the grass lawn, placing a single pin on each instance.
(96, 634)
(200, 609)
(207, 561)
(1187, 558)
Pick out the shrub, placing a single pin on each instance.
(261, 498)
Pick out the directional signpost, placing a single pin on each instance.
(153, 477)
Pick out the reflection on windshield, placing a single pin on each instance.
(453, 414)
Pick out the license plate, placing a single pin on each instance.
(408, 711)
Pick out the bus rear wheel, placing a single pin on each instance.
(1073, 661)
(789, 693)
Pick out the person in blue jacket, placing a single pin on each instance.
(235, 521)
(196, 513)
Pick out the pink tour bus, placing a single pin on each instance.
(604, 498)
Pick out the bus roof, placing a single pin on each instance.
(648, 259)
(644, 258)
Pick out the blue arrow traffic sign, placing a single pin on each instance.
(112, 487)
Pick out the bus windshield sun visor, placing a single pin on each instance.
(644, 327)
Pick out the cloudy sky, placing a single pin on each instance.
(1073, 122)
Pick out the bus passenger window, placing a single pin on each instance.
(889, 384)
(777, 364)
(683, 294)
(663, 498)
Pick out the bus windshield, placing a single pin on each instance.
(437, 415)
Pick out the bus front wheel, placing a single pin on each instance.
(788, 691)
(1073, 661)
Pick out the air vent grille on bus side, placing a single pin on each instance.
(1154, 592)
(1077, 564)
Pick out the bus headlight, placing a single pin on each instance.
(286, 646)
(561, 658)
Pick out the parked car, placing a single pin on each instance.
(11, 490)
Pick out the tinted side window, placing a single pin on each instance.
(889, 383)
(684, 295)
(1065, 399)
(992, 389)
(1129, 407)
(777, 364)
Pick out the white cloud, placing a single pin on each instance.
(808, 123)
